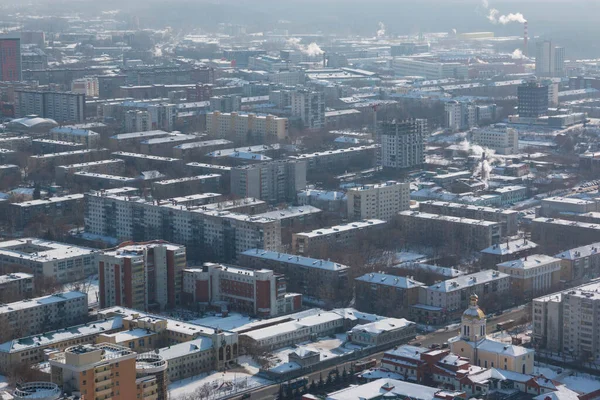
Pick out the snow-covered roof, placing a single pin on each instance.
(510, 247)
(493, 346)
(465, 281)
(529, 262)
(183, 349)
(380, 387)
(384, 325)
(61, 335)
(297, 260)
(390, 280)
(579, 252)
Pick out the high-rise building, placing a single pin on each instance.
(10, 59)
(142, 276)
(402, 143)
(59, 106)
(275, 181)
(549, 60)
(309, 106)
(381, 201)
(256, 292)
(532, 99)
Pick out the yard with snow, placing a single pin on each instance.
(214, 386)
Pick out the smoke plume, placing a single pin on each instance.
(311, 50)
(381, 31)
(517, 54)
(496, 18)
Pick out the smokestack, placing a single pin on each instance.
(525, 38)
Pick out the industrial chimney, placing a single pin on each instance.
(525, 38)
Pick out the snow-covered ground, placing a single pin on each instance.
(89, 285)
(581, 383)
(217, 385)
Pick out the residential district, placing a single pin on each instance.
(236, 213)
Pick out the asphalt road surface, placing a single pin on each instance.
(441, 336)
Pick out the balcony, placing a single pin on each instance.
(101, 392)
(100, 374)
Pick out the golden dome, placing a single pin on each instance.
(474, 312)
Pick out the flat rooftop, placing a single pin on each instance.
(66, 153)
(140, 135)
(565, 222)
(469, 207)
(510, 247)
(143, 156)
(61, 335)
(15, 276)
(41, 301)
(188, 179)
(422, 215)
(290, 212)
(466, 281)
(343, 228)
(40, 250)
(401, 282)
(530, 262)
(306, 262)
(49, 200)
(334, 152)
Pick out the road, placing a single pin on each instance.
(440, 336)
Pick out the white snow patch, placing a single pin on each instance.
(221, 384)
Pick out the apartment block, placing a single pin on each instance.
(258, 292)
(340, 159)
(507, 251)
(500, 138)
(243, 128)
(132, 141)
(580, 264)
(384, 294)
(60, 208)
(274, 182)
(59, 106)
(60, 261)
(508, 219)
(164, 146)
(567, 321)
(446, 300)
(556, 235)
(322, 280)
(186, 186)
(306, 243)
(41, 314)
(145, 162)
(532, 275)
(50, 161)
(402, 143)
(381, 201)
(45, 146)
(87, 137)
(142, 276)
(64, 173)
(195, 150)
(309, 107)
(461, 234)
(210, 232)
(554, 206)
(16, 286)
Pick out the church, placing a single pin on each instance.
(473, 343)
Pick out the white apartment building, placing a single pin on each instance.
(86, 137)
(533, 274)
(381, 201)
(202, 229)
(137, 121)
(502, 139)
(568, 321)
(304, 243)
(29, 317)
(59, 106)
(451, 295)
(61, 261)
(402, 143)
(88, 86)
(238, 126)
(309, 106)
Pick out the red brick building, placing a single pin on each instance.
(10, 59)
(256, 292)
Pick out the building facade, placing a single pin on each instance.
(309, 107)
(10, 59)
(385, 294)
(59, 106)
(532, 275)
(144, 276)
(402, 143)
(380, 201)
(258, 292)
